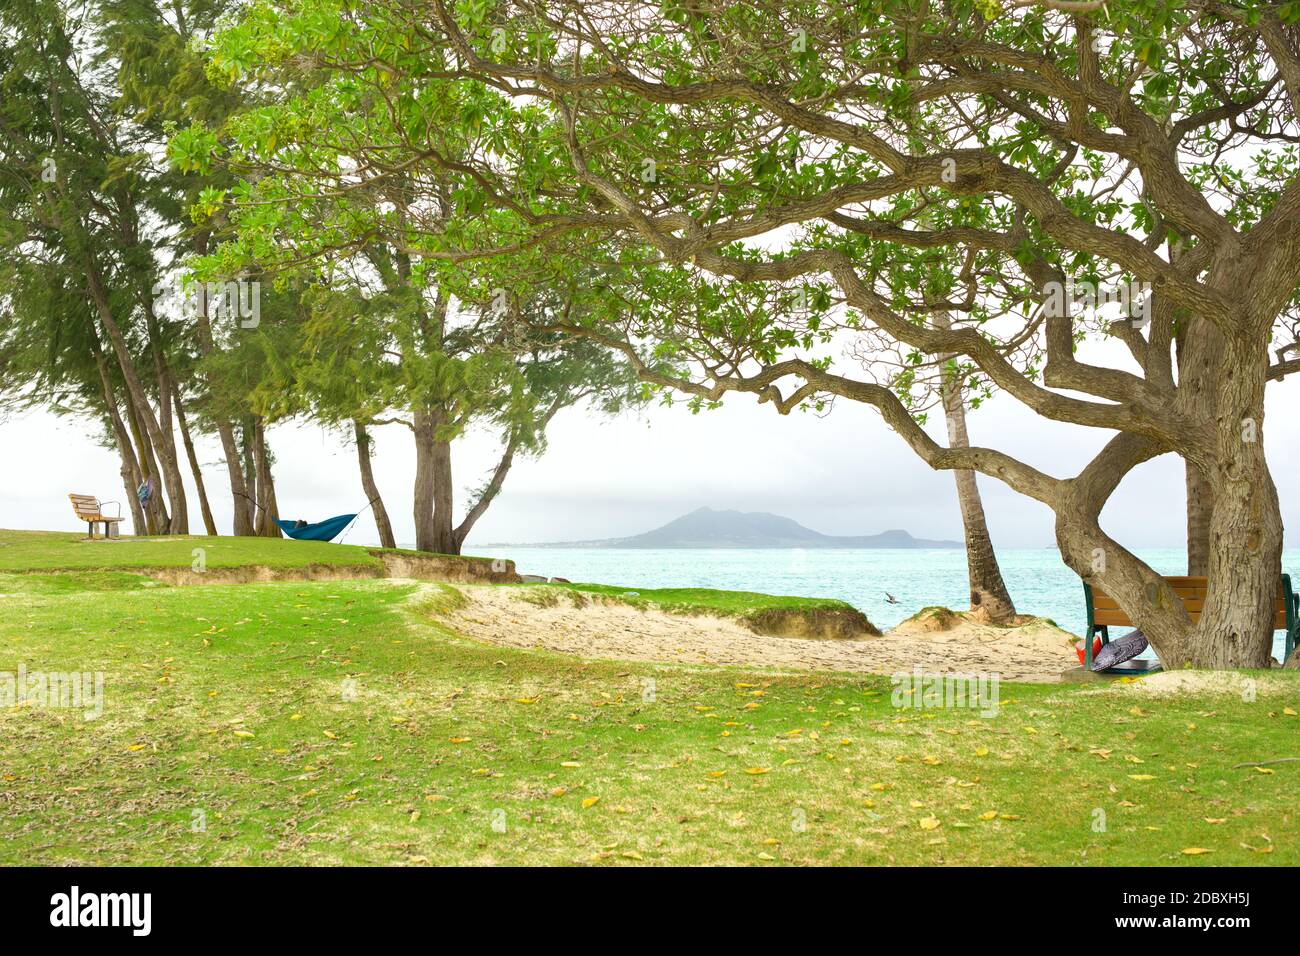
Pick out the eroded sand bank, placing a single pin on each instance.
(1034, 651)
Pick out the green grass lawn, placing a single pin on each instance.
(54, 551)
(338, 722)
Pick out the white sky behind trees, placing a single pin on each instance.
(843, 473)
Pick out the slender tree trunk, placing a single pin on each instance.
(239, 488)
(156, 509)
(180, 523)
(139, 398)
(382, 523)
(989, 598)
(253, 502)
(269, 510)
(128, 486)
(208, 523)
(130, 467)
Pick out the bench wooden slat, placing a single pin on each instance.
(88, 508)
(1190, 590)
(1117, 618)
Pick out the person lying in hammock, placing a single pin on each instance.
(300, 523)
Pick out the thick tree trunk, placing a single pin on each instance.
(1245, 559)
(208, 523)
(382, 523)
(1199, 352)
(1200, 513)
(434, 496)
(989, 598)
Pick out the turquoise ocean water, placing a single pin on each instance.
(1037, 579)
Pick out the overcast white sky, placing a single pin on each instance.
(845, 473)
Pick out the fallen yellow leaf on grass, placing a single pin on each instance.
(330, 734)
(1216, 819)
(989, 815)
(1195, 851)
(527, 700)
(570, 764)
(135, 747)
(756, 771)
(458, 740)
(929, 823)
(590, 802)
(243, 733)
(981, 751)
(1140, 776)
(1288, 711)
(1263, 770)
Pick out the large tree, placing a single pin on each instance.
(973, 157)
(394, 332)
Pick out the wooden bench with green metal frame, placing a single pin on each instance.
(1104, 612)
(91, 510)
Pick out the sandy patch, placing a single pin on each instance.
(1034, 651)
(1177, 683)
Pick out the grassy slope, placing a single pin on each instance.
(51, 551)
(69, 551)
(695, 600)
(234, 701)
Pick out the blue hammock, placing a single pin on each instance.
(326, 530)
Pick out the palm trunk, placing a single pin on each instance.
(989, 598)
(371, 489)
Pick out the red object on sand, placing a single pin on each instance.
(1096, 649)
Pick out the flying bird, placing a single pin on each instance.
(890, 599)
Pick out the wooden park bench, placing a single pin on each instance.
(1104, 613)
(91, 510)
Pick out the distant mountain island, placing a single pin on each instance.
(707, 528)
